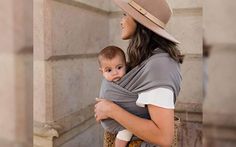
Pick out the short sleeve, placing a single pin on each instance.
(124, 135)
(162, 97)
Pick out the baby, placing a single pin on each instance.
(112, 64)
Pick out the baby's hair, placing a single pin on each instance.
(110, 52)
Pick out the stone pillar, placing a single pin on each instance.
(16, 73)
(219, 106)
(186, 25)
(67, 37)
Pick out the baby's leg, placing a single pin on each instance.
(122, 138)
(120, 143)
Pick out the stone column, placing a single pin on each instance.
(16, 73)
(186, 25)
(43, 102)
(67, 37)
(219, 106)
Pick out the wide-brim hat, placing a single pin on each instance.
(153, 14)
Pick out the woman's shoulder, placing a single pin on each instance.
(161, 61)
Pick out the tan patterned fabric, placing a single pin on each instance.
(176, 130)
(109, 139)
(135, 143)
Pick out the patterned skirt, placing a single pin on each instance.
(109, 139)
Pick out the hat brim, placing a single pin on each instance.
(144, 20)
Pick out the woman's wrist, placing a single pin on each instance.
(112, 110)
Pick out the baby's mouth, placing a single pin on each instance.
(116, 79)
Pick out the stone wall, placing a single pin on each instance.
(186, 25)
(219, 106)
(16, 47)
(68, 36)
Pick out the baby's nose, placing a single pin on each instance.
(115, 72)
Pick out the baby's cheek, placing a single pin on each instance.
(108, 77)
(123, 73)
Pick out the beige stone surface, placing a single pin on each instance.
(67, 38)
(219, 106)
(190, 134)
(76, 84)
(114, 7)
(42, 88)
(189, 106)
(6, 26)
(14, 69)
(93, 136)
(219, 26)
(22, 24)
(185, 4)
(189, 116)
(38, 30)
(81, 30)
(75, 119)
(191, 71)
(24, 97)
(7, 100)
(42, 29)
(44, 134)
(7, 143)
(189, 102)
(100, 4)
(186, 26)
(212, 134)
(219, 143)
(42, 141)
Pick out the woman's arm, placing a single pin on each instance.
(159, 130)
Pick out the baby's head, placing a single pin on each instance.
(112, 63)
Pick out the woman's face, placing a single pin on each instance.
(128, 27)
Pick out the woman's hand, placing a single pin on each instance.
(103, 109)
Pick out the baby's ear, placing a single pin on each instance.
(100, 69)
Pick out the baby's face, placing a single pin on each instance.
(113, 69)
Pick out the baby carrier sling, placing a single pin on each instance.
(159, 70)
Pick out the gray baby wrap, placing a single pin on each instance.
(160, 70)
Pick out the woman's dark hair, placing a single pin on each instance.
(145, 41)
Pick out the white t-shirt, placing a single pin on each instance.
(161, 97)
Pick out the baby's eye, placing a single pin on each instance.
(119, 67)
(124, 14)
(108, 70)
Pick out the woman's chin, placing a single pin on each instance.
(125, 37)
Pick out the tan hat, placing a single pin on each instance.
(153, 14)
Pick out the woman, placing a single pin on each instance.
(143, 23)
